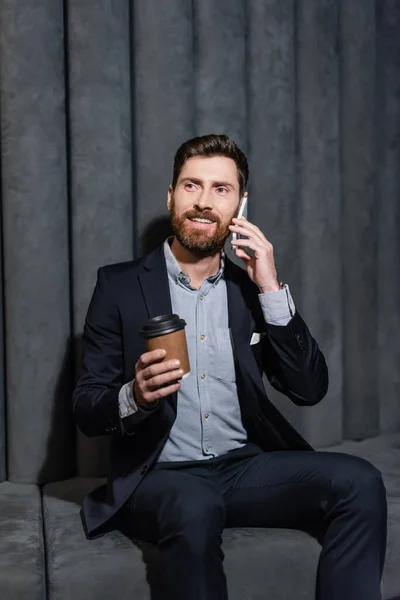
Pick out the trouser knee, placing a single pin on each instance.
(362, 484)
(198, 526)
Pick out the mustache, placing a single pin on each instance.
(203, 215)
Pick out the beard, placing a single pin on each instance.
(200, 242)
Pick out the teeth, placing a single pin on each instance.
(202, 220)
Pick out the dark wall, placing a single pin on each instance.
(95, 97)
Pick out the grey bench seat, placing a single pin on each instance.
(260, 563)
(22, 562)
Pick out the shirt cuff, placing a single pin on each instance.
(278, 307)
(126, 403)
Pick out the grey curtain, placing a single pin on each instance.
(95, 97)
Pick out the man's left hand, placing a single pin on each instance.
(260, 267)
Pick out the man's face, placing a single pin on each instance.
(208, 189)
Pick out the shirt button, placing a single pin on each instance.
(201, 297)
(202, 336)
(129, 409)
(206, 449)
(206, 416)
(203, 375)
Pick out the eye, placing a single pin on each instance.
(190, 186)
(222, 190)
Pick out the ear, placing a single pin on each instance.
(169, 200)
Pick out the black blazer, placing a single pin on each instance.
(128, 294)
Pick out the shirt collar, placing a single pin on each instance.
(178, 275)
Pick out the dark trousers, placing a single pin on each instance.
(185, 506)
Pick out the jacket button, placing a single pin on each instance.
(144, 470)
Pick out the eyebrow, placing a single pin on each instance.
(214, 183)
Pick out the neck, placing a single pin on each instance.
(198, 267)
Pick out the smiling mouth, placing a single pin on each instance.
(200, 221)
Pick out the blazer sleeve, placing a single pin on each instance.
(95, 398)
(293, 362)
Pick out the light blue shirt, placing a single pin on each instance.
(208, 421)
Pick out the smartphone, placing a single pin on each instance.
(237, 236)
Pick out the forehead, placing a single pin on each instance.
(211, 168)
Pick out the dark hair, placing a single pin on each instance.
(212, 145)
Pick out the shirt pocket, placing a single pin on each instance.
(222, 363)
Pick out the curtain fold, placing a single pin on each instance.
(100, 160)
(359, 218)
(35, 239)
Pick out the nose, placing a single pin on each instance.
(203, 201)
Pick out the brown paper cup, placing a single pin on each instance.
(175, 346)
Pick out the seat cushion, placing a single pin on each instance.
(259, 563)
(256, 560)
(383, 451)
(79, 569)
(22, 568)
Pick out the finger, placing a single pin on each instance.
(249, 243)
(245, 226)
(165, 378)
(159, 368)
(148, 358)
(249, 233)
(162, 392)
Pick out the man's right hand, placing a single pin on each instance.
(155, 378)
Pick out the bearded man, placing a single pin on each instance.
(191, 456)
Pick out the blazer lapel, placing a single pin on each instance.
(241, 323)
(155, 289)
(154, 284)
(239, 315)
